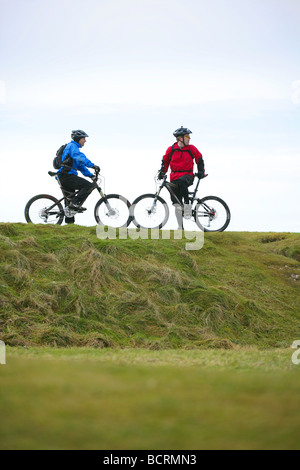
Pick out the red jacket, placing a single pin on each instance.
(181, 162)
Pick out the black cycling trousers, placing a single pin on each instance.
(73, 182)
(181, 190)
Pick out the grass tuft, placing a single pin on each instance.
(62, 286)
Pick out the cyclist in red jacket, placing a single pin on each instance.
(180, 157)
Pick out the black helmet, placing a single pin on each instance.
(77, 135)
(182, 131)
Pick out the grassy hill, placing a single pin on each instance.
(166, 348)
(62, 286)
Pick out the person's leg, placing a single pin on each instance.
(178, 209)
(179, 216)
(67, 191)
(72, 183)
(183, 184)
(85, 188)
(182, 192)
(70, 220)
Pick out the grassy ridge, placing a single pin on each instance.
(63, 286)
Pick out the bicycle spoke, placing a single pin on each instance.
(44, 210)
(113, 210)
(212, 214)
(150, 212)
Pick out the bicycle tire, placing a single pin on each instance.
(138, 212)
(35, 215)
(111, 218)
(210, 215)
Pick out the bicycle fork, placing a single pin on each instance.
(111, 211)
(152, 209)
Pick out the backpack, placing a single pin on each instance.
(179, 150)
(57, 161)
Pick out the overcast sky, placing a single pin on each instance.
(129, 72)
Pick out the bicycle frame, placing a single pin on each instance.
(203, 211)
(67, 198)
(192, 198)
(166, 185)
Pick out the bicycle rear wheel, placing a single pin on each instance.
(150, 211)
(212, 214)
(44, 209)
(113, 210)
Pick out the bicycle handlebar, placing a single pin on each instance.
(53, 173)
(195, 174)
(204, 176)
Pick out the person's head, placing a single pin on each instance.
(182, 136)
(79, 137)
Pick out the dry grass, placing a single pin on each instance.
(62, 286)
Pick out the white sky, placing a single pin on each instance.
(129, 73)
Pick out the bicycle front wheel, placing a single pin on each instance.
(212, 214)
(44, 209)
(113, 210)
(150, 211)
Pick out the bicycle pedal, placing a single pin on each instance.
(69, 213)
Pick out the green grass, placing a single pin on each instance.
(140, 399)
(62, 286)
(141, 344)
(239, 359)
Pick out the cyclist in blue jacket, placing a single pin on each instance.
(76, 160)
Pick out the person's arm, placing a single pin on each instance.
(199, 160)
(165, 164)
(82, 163)
(166, 159)
(83, 169)
(79, 157)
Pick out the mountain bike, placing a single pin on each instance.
(210, 213)
(112, 209)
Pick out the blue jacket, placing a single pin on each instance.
(80, 162)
